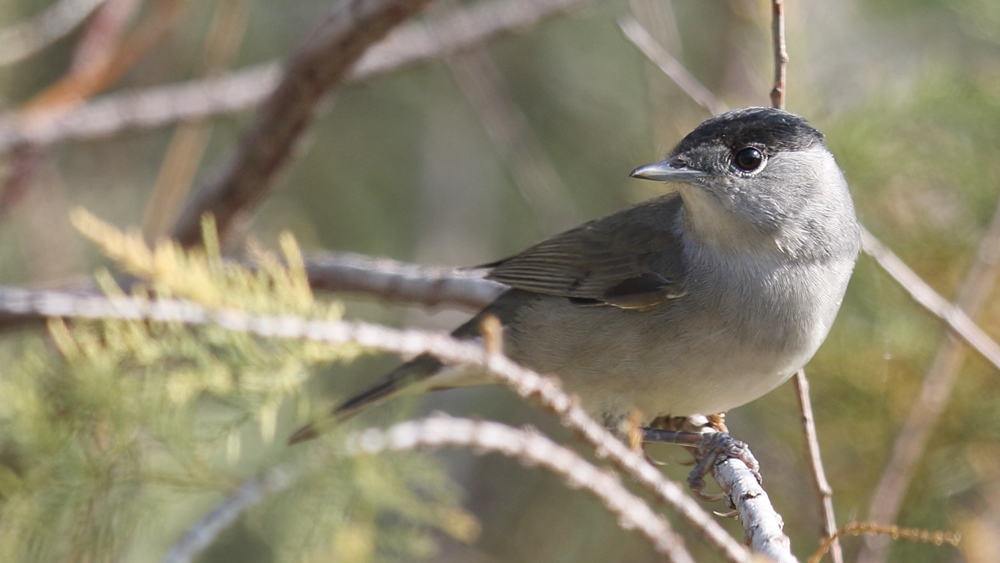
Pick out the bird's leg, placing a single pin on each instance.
(708, 443)
(631, 428)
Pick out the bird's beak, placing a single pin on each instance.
(669, 170)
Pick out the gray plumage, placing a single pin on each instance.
(697, 301)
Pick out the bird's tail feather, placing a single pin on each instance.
(418, 370)
(388, 386)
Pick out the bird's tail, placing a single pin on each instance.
(388, 386)
(418, 370)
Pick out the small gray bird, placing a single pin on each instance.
(694, 302)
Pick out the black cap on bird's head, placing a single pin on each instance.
(744, 138)
(759, 174)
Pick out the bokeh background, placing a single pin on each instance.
(404, 166)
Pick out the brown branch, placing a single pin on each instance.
(545, 392)
(780, 53)
(534, 450)
(935, 393)
(823, 490)
(319, 64)
(670, 66)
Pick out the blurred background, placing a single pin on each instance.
(470, 158)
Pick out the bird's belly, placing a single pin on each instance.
(717, 359)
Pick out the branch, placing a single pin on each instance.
(401, 282)
(320, 64)
(923, 294)
(534, 450)
(670, 66)
(780, 53)
(824, 491)
(545, 392)
(236, 92)
(26, 38)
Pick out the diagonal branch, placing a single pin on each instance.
(924, 295)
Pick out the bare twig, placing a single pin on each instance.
(24, 39)
(398, 281)
(820, 482)
(535, 450)
(935, 392)
(545, 392)
(670, 66)
(245, 89)
(319, 64)
(780, 53)
(923, 294)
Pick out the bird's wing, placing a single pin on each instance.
(632, 259)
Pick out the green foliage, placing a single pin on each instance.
(117, 435)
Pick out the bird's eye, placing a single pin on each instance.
(748, 159)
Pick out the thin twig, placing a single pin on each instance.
(824, 492)
(534, 450)
(670, 66)
(780, 53)
(935, 392)
(319, 65)
(545, 392)
(820, 482)
(26, 38)
(938, 306)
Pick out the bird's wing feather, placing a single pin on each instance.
(629, 260)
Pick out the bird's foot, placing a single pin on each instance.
(708, 445)
(714, 448)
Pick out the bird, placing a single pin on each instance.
(696, 301)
